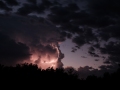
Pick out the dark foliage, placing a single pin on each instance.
(29, 75)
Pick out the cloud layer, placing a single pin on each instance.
(29, 39)
(95, 23)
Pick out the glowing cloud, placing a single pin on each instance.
(39, 35)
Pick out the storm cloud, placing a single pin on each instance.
(29, 39)
(91, 22)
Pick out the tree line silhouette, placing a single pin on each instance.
(30, 75)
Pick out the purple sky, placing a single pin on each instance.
(78, 58)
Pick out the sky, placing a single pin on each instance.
(79, 34)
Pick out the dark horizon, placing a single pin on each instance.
(29, 75)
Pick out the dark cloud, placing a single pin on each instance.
(34, 7)
(46, 3)
(41, 8)
(39, 35)
(96, 59)
(107, 62)
(32, 1)
(69, 35)
(97, 21)
(113, 50)
(83, 57)
(73, 49)
(62, 14)
(84, 72)
(3, 6)
(97, 45)
(85, 68)
(71, 28)
(65, 34)
(73, 6)
(94, 54)
(110, 31)
(12, 2)
(106, 67)
(70, 71)
(12, 52)
(87, 37)
(59, 15)
(92, 49)
(77, 47)
(103, 8)
(79, 40)
(27, 9)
